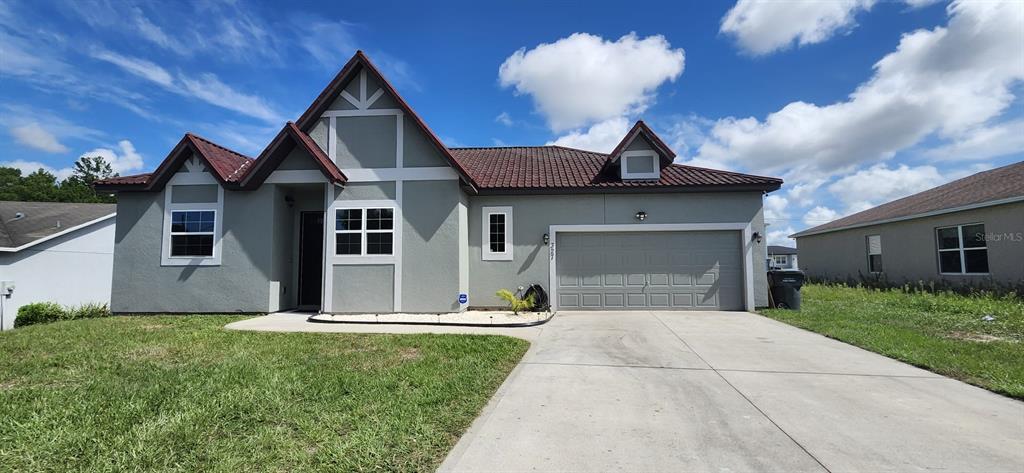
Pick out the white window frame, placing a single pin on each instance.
(626, 174)
(363, 231)
(331, 245)
(485, 235)
(867, 244)
(960, 248)
(784, 260)
(218, 225)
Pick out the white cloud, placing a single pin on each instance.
(584, 78)
(879, 184)
(802, 193)
(945, 81)
(601, 137)
(819, 215)
(139, 67)
(208, 88)
(781, 236)
(29, 167)
(775, 207)
(763, 27)
(329, 42)
(153, 33)
(124, 159)
(504, 118)
(983, 143)
(36, 137)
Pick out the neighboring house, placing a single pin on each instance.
(415, 226)
(782, 257)
(55, 252)
(969, 230)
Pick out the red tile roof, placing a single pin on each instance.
(641, 128)
(558, 167)
(993, 185)
(230, 165)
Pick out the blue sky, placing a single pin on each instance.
(853, 102)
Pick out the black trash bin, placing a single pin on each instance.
(785, 286)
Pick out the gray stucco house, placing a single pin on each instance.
(967, 231)
(358, 207)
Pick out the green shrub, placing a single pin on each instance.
(515, 302)
(39, 313)
(46, 312)
(89, 310)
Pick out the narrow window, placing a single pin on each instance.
(497, 233)
(192, 233)
(962, 249)
(364, 231)
(875, 253)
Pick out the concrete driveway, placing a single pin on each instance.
(729, 392)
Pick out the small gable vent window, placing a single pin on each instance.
(497, 234)
(640, 165)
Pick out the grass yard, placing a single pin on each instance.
(944, 333)
(182, 394)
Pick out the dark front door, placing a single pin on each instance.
(311, 258)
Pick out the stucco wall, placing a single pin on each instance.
(364, 288)
(909, 248)
(430, 246)
(532, 215)
(71, 269)
(239, 284)
(366, 142)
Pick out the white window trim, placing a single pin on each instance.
(626, 174)
(960, 248)
(218, 229)
(781, 259)
(485, 235)
(363, 205)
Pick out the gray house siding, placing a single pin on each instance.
(238, 284)
(909, 251)
(364, 288)
(430, 246)
(532, 215)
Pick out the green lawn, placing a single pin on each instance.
(944, 333)
(183, 394)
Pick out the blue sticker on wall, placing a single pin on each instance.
(463, 298)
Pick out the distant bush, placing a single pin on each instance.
(46, 312)
(972, 287)
(39, 313)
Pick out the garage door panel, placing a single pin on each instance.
(658, 270)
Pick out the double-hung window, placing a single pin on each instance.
(962, 249)
(192, 233)
(364, 231)
(497, 234)
(874, 243)
(781, 260)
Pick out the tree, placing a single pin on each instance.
(78, 186)
(42, 186)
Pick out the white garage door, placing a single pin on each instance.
(697, 270)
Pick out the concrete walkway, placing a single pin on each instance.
(296, 322)
(658, 391)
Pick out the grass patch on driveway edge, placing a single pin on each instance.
(944, 333)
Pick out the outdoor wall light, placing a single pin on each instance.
(641, 215)
(547, 239)
(757, 237)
